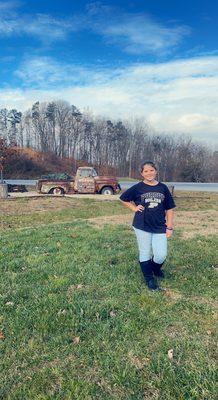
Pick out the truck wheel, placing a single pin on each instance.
(107, 190)
(57, 191)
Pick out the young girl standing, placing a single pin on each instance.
(153, 221)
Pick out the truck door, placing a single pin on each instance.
(85, 181)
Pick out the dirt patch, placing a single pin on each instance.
(136, 361)
(23, 206)
(123, 219)
(203, 300)
(21, 203)
(196, 223)
(192, 223)
(172, 294)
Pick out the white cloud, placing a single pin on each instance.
(45, 71)
(178, 96)
(42, 26)
(140, 34)
(133, 33)
(198, 121)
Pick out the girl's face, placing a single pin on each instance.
(149, 173)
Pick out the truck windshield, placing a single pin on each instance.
(86, 173)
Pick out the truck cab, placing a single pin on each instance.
(88, 181)
(84, 180)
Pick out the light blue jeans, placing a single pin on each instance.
(157, 242)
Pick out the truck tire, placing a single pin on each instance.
(57, 191)
(107, 190)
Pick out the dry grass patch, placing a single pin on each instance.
(152, 394)
(138, 362)
(36, 204)
(192, 223)
(120, 219)
(172, 294)
(195, 223)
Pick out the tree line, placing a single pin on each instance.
(61, 129)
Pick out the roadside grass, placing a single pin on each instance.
(77, 321)
(195, 201)
(68, 209)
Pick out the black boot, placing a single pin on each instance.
(146, 267)
(156, 269)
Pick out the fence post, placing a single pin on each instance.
(3, 190)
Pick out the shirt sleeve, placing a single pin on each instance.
(129, 194)
(168, 201)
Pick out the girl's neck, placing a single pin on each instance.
(150, 183)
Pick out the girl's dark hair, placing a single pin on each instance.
(148, 163)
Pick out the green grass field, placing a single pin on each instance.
(77, 321)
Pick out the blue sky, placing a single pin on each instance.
(155, 59)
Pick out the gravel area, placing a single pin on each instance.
(78, 196)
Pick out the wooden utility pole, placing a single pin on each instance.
(3, 186)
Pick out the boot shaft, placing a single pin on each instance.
(156, 268)
(146, 267)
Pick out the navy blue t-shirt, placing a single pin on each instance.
(156, 200)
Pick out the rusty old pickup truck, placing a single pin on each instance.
(86, 180)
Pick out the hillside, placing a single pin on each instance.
(26, 163)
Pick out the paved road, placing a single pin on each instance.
(189, 186)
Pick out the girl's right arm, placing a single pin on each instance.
(132, 206)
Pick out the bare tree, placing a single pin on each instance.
(61, 129)
(14, 118)
(3, 122)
